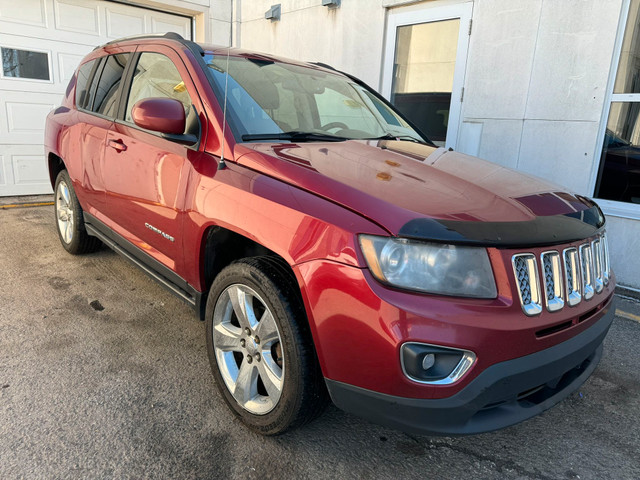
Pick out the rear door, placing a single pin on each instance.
(145, 174)
(97, 93)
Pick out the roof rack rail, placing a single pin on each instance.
(193, 46)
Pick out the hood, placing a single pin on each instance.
(419, 191)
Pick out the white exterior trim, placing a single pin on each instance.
(610, 207)
(410, 16)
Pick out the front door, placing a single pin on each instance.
(425, 60)
(145, 174)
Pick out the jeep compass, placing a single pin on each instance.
(333, 250)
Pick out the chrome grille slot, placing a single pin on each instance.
(572, 276)
(606, 267)
(568, 276)
(596, 253)
(526, 272)
(586, 266)
(553, 288)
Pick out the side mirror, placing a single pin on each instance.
(163, 115)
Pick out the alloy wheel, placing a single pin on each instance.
(64, 212)
(248, 349)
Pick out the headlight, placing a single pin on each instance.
(430, 267)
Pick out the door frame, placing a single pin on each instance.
(613, 207)
(425, 14)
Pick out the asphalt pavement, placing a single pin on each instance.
(104, 374)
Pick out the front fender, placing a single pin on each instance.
(295, 224)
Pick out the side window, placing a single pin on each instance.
(106, 97)
(82, 84)
(156, 76)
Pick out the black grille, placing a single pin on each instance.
(548, 277)
(522, 273)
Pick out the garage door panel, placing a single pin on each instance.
(120, 24)
(27, 170)
(67, 64)
(23, 170)
(31, 12)
(162, 24)
(66, 30)
(77, 16)
(3, 175)
(44, 35)
(19, 86)
(23, 118)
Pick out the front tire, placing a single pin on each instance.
(69, 219)
(260, 348)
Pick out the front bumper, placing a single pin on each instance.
(503, 394)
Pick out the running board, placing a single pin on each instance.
(146, 263)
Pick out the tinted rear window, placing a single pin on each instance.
(82, 84)
(106, 96)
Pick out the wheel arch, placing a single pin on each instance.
(56, 165)
(221, 246)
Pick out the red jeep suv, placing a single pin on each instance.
(332, 249)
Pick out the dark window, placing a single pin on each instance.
(106, 96)
(619, 173)
(25, 64)
(424, 67)
(82, 84)
(428, 111)
(620, 163)
(156, 77)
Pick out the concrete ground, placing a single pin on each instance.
(104, 374)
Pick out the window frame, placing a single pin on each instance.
(613, 207)
(124, 100)
(125, 86)
(47, 52)
(95, 79)
(123, 79)
(90, 83)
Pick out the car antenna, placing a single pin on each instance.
(221, 163)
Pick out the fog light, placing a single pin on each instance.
(428, 361)
(433, 364)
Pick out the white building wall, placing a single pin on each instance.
(542, 113)
(554, 58)
(349, 38)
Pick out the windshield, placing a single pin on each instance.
(270, 98)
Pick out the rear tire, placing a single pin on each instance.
(69, 219)
(272, 383)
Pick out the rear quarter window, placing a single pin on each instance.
(82, 83)
(106, 96)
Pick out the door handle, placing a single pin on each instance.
(117, 145)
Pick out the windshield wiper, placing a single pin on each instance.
(391, 136)
(294, 136)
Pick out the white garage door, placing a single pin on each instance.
(41, 43)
